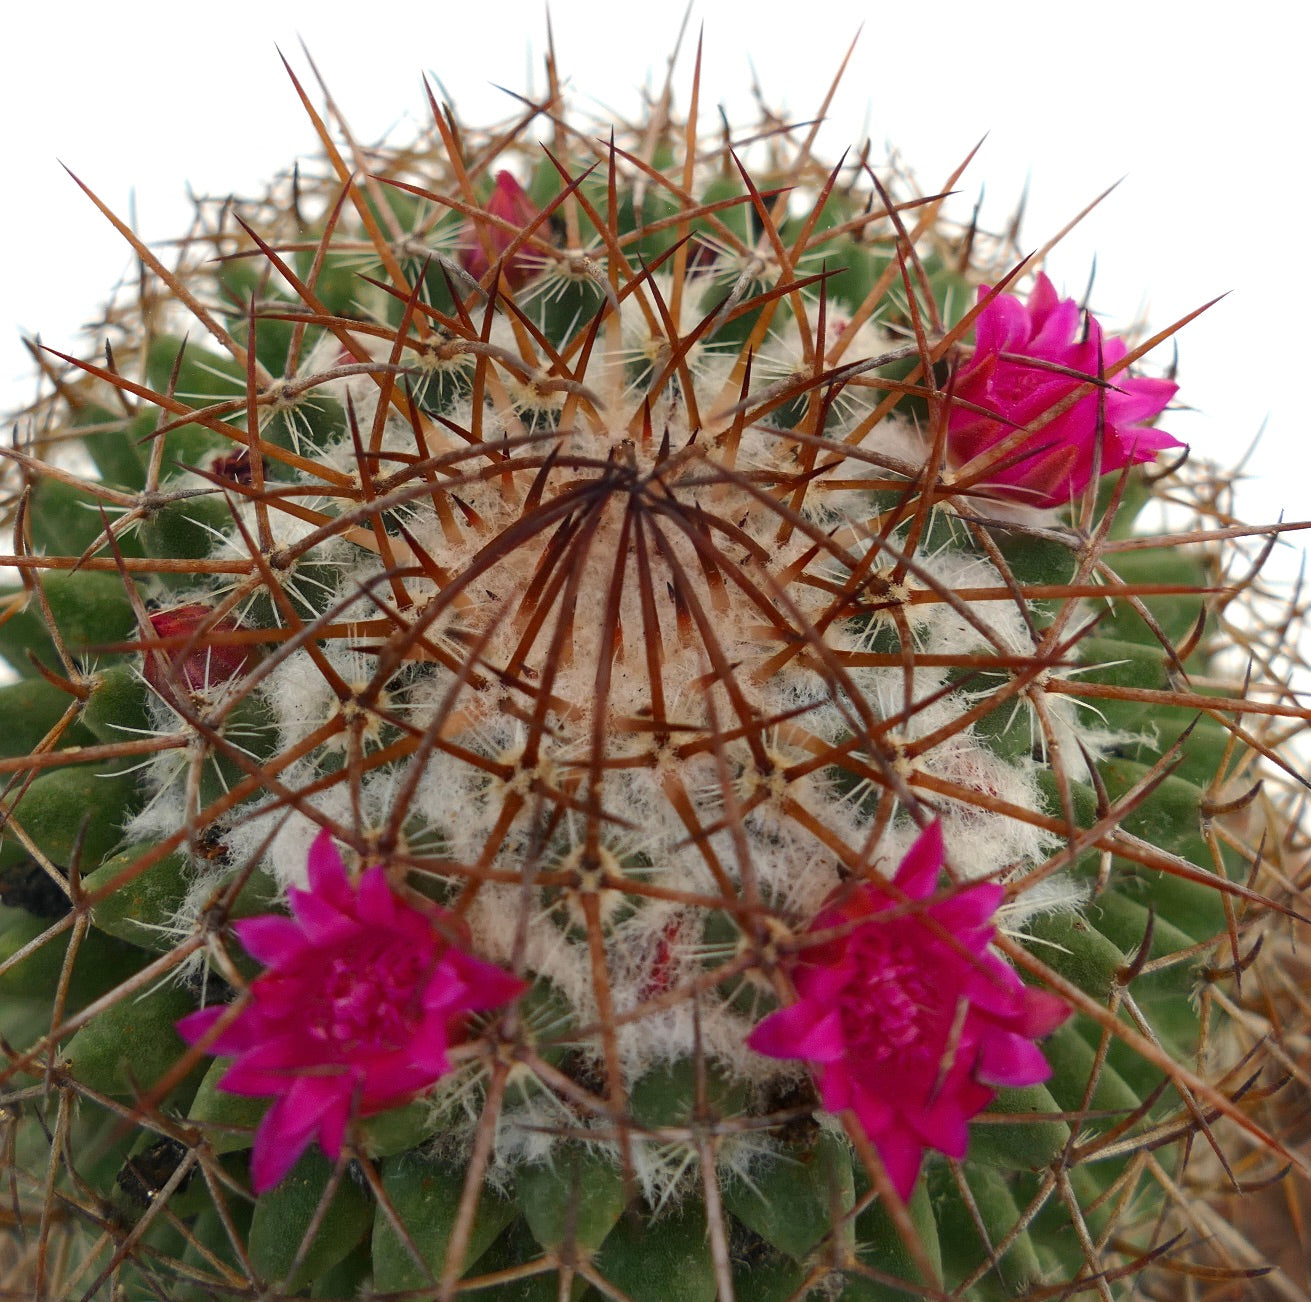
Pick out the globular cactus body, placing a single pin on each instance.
(606, 722)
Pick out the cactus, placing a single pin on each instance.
(623, 718)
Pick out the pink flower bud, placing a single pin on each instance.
(509, 202)
(198, 661)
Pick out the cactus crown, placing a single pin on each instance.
(624, 548)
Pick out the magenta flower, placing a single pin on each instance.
(362, 996)
(911, 1020)
(509, 202)
(1056, 461)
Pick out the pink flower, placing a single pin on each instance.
(1056, 461)
(509, 202)
(910, 1020)
(362, 996)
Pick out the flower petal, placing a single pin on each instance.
(195, 1026)
(1042, 1013)
(901, 1155)
(801, 1030)
(1008, 1059)
(323, 920)
(326, 871)
(429, 1047)
(283, 1135)
(919, 871)
(942, 1126)
(970, 910)
(486, 985)
(377, 903)
(332, 1124)
(270, 939)
(875, 1112)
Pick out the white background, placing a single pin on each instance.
(1202, 110)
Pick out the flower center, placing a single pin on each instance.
(893, 1007)
(1012, 384)
(371, 999)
